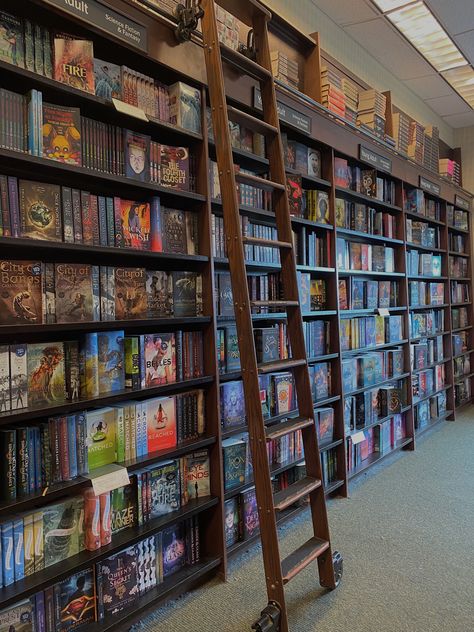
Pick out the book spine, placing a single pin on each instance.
(14, 206)
(126, 424)
(68, 223)
(86, 217)
(100, 593)
(94, 212)
(40, 614)
(65, 459)
(8, 471)
(105, 526)
(133, 432)
(38, 458)
(5, 206)
(8, 564)
(118, 223)
(39, 540)
(91, 520)
(77, 216)
(81, 441)
(120, 429)
(47, 57)
(72, 446)
(50, 293)
(102, 213)
(96, 293)
(110, 213)
(19, 550)
(22, 462)
(49, 607)
(156, 241)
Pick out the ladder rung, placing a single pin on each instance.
(280, 365)
(244, 64)
(295, 492)
(267, 243)
(258, 182)
(276, 304)
(253, 123)
(286, 427)
(304, 555)
(245, 11)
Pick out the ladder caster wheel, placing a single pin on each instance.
(269, 620)
(337, 563)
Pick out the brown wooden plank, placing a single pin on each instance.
(301, 557)
(286, 427)
(245, 11)
(268, 243)
(281, 365)
(275, 304)
(295, 492)
(260, 183)
(253, 123)
(243, 64)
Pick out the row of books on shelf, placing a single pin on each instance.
(47, 536)
(429, 409)
(362, 218)
(312, 292)
(461, 342)
(73, 445)
(416, 201)
(363, 180)
(51, 373)
(462, 392)
(368, 369)
(252, 252)
(354, 255)
(423, 263)
(248, 195)
(458, 243)
(378, 440)
(241, 137)
(460, 292)
(113, 585)
(462, 367)
(450, 169)
(425, 293)
(37, 210)
(303, 159)
(71, 61)
(459, 267)
(457, 218)
(284, 69)
(367, 408)
(426, 323)
(422, 234)
(61, 134)
(428, 381)
(370, 331)
(33, 292)
(311, 249)
(459, 317)
(311, 204)
(426, 352)
(357, 293)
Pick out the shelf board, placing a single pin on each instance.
(464, 353)
(464, 279)
(402, 376)
(462, 378)
(350, 352)
(325, 401)
(458, 230)
(15, 416)
(425, 397)
(319, 313)
(414, 308)
(426, 277)
(369, 312)
(423, 218)
(315, 269)
(43, 167)
(332, 444)
(247, 158)
(307, 179)
(377, 422)
(431, 366)
(274, 471)
(461, 304)
(455, 331)
(322, 358)
(347, 232)
(439, 333)
(458, 254)
(302, 221)
(366, 198)
(331, 487)
(376, 457)
(410, 244)
(432, 423)
(223, 262)
(369, 273)
(269, 316)
(55, 573)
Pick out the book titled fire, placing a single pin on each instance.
(74, 63)
(62, 134)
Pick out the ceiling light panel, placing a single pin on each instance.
(389, 5)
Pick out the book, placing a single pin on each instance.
(130, 293)
(107, 79)
(111, 361)
(185, 106)
(159, 291)
(40, 211)
(234, 452)
(123, 506)
(184, 294)
(136, 149)
(74, 292)
(62, 530)
(196, 468)
(74, 63)
(165, 485)
(232, 404)
(75, 601)
(101, 437)
(161, 423)
(231, 521)
(46, 375)
(174, 549)
(174, 167)
(21, 299)
(135, 222)
(117, 583)
(11, 39)
(159, 359)
(61, 132)
(250, 520)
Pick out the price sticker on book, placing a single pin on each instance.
(358, 437)
(131, 110)
(383, 311)
(105, 479)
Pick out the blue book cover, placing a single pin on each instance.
(81, 435)
(348, 375)
(89, 366)
(370, 340)
(40, 615)
(111, 361)
(109, 204)
(232, 404)
(19, 556)
(6, 532)
(156, 227)
(174, 549)
(72, 445)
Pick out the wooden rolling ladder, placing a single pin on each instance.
(277, 572)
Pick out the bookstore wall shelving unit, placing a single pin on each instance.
(304, 120)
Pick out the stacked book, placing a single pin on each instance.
(450, 169)
(351, 94)
(401, 131)
(415, 145)
(284, 69)
(332, 94)
(431, 148)
(371, 111)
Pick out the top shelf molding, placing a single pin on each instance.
(246, 11)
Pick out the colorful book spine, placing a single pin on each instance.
(29, 540)
(14, 206)
(19, 551)
(72, 446)
(8, 563)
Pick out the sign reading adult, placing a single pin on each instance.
(106, 19)
(462, 203)
(377, 160)
(286, 113)
(429, 187)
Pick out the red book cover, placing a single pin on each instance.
(294, 191)
(74, 63)
(161, 423)
(135, 222)
(341, 173)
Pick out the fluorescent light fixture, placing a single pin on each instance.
(462, 80)
(389, 5)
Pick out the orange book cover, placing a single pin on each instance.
(74, 63)
(161, 423)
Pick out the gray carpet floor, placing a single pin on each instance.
(407, 537)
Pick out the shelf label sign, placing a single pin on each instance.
(429, 187)
(462, 203)
(286, 113)
(106, 19)
(107, 478)
(374, 159)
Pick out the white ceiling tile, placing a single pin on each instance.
(466, 44)
(429, 87)
(344, 12)
(444, 106)
(460, 120)
(456, 16)
(386, 45)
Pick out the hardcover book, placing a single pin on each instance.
(21, 300)
(294, 189)
(174, 548)
(111, 361)
(159, 358)
(75, 601)
(135, 224)
(74, 63)
(165, 486)
(136, 155)
(130, 293)
(20, 616)
(101, 437)
(325, 425)
(174, 167)
(234, 456)
(159, 291)
(117, 585)
(232, 354)
(11, 40)
(232, 404)
(107, 80)
(185, 106)
(123, 506)
(250, 520)
(46, 377)
(184, 294)
(74, 292)
(174, 231)
(161, 423)
(231, 521)
(283, 396)
(62, 134)
(40, 210)
(321, 380)
(196, 482)
(62, 530)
